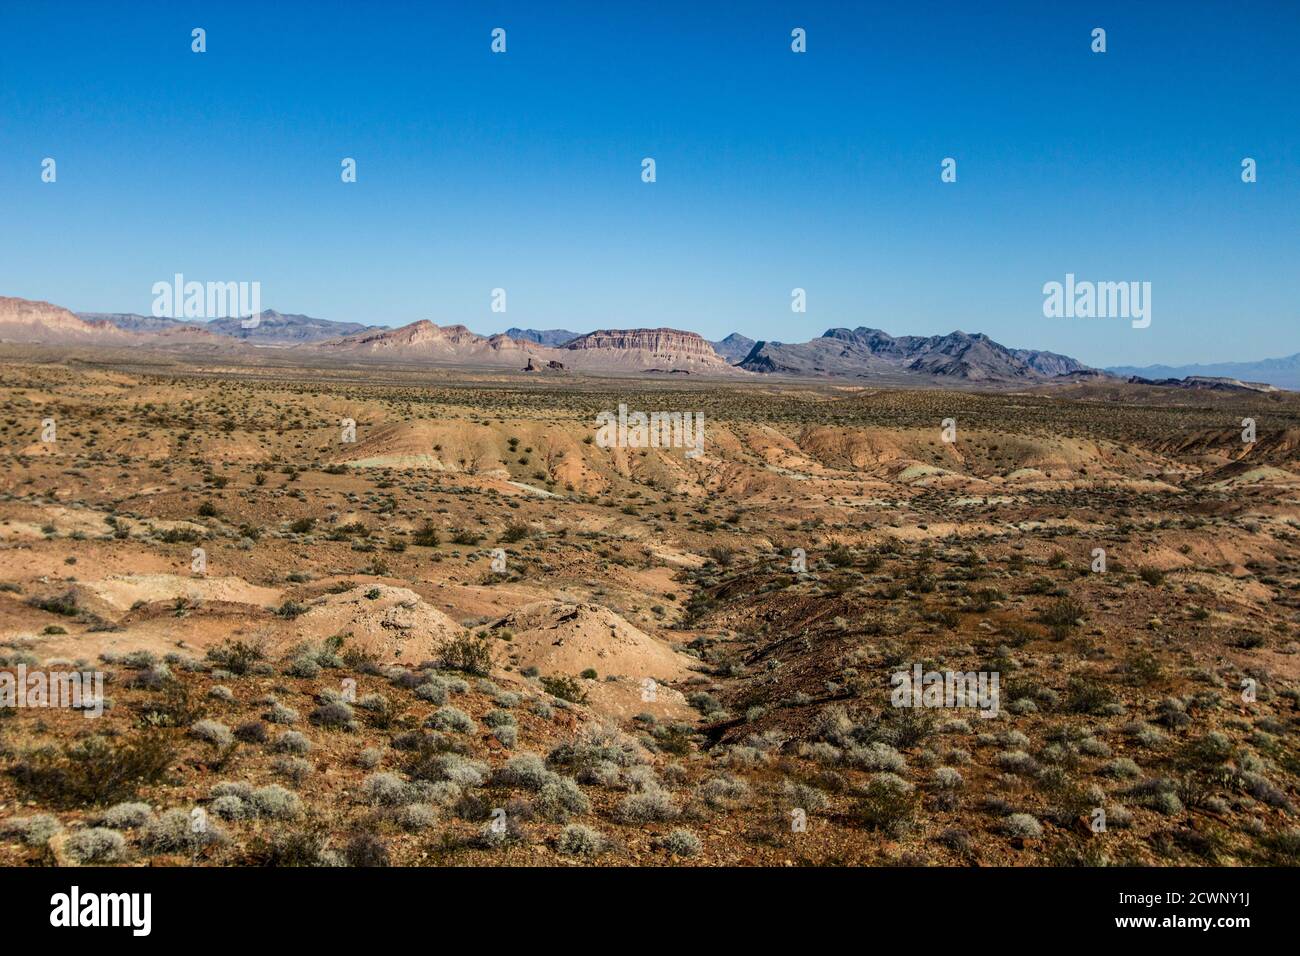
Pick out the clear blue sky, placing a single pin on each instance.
(775, 170)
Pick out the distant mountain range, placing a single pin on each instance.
(552, 337)
(1282, 372)
(862, 354)
(272, 327)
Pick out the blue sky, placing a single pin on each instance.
(775, 170)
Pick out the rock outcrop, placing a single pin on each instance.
(672, 343)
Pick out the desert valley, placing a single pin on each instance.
(367, 595)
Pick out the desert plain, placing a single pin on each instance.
(461, 632)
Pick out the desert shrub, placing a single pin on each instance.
(252, 732)
(1204, 765)
(597, 743)
(1157, 794)
(409, 740)
(1143, 668)
(887, 803)
(1086, 696)
(212, 732)
(154, 677)
(416, 816)
(374, 702)
(1118, 817)
(565, 688)
(172, 706)
(294, 769)
(233, 788)
(94, 770)
(1093, 747)
(427, 536)
(955, 839)
(450, 718)
(430, 764)
(1172, 713)
(800, 795)
(64, 604)
(96, 845)
(468, 654)
(561, 797)
(839, 556)
(704, 702)
(639, 779)
(1022, 825)
(877, 756)
(946, 778)
(724, 791)
(291, 742)
(434, 690)
(1062, 614)
(602, 773)
(579, 840)
(673, 738)
(756, 750)
(494, 835)
(275, 802)
(1122, 767)
(230, 807)
(125, 816)
(515, 533)
(281, 714)
(389, 790)
(335, 714)
(1143, 734)
(1263, 790)
(904, 727)
(681, 842)
(175, 831)
(301, 846)
(366, 850)
(1152, 576)
(526, 770)
(647, 807)
(237, 657)
(303, 667)
(1016, 761)
(34, 830)
(1284, 847)
(984, 599)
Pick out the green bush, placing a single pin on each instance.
(467, 653)
(565, 688)
(95, 770)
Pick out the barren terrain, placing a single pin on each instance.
(473, 635)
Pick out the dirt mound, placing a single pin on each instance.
(391, 622)
(120, 592)
(559, 638)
